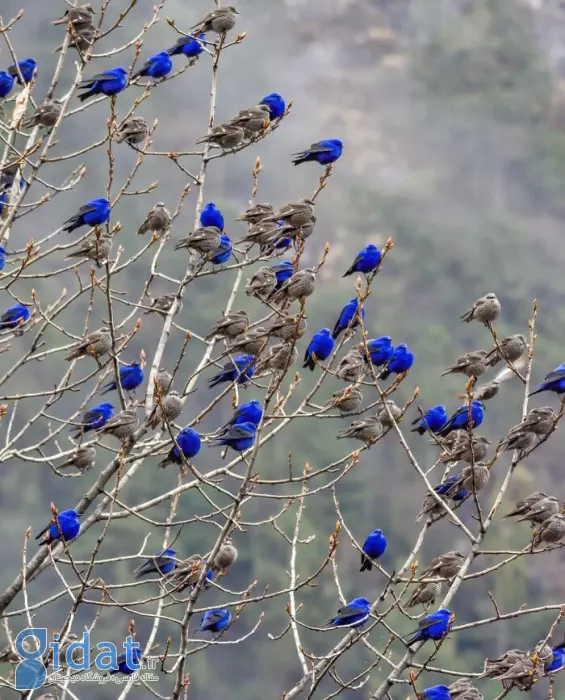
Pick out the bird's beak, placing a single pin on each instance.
(266, 123)
(452, 618)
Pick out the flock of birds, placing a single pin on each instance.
(279, 285)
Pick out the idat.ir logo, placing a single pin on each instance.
(31, 672)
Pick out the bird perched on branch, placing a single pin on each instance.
(78, 14)
(240, 437)
(166, 410)
(348, 400)
(96, 248)
(122, 426)
(225, 136)
(162, 563)
(366, 261)
(486, 310)
(109, 83)
(130, 377)
(132, 131)
(536, 508)
(15, 317)
(322, 152)
(434, 626)
(367, 430)
(189, 443)
(373, 548)
(65, 526)
(27, 69)
(276, 104)
(83, 459)
(554, 381)
(93, 213)
(255, 213)
(348, 317)
(220, 21)
(6, 84)
(508, 349)
(202, 240)
(225, 557)
(319, 348)
(240, 369)
(463, 416)
(188, 46)
(158, 220)
(471, 364)
(433, 420)
(163, 303)
(215, 620)
(252, 120)
(400, 361)
(288, 327)
(45, 115)
(157, 66)
(93, 419)
(230, 325)
(95, 344)
(354, 614)
(301, 285)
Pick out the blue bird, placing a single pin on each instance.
(348, 318)
(130, 667)
(434, 626)
(189, 442)
(460, 419)
(240, 369)
(401, 360)
(66, 527)
(436, 692)
(283, 271)
(14, 317)
(366, 261)
(276, 105)
(157, 66)
(27, 68)
(212, 216)
(323, 152)
(354, 614)
(94, 419)
(434, 419)
(93, 213)
(557, 661)
(319, 348)
(188, 46)
(215, 620)
(239, 437)
(380, 350)
(554, 381)
(131, 376)
(448, 488)
(162, 563)
(250, 412)
(109, 82)
(374, 547)
(2, 258)
(223, 252)
(279, 243)
(6, 83)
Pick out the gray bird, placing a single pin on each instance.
(495, 667)
(348, 400)
(395, 412)
(95, 247)
(83, 459)
(132, 131)
(522, 673)
(226, 136)
(367, 430)
(168, 409)
(252, 120)
(79, 14)
(486, 310)
(445, 565)
(262, 233)
(518, 439)
(158, 220)
(279, 358)
(95, 344)
(551, 530)
(511, 349)
(352, 367)
(524, 506)
(430, 507)
(484, 392)
(203, 240)
(471, 364)
(219, 21)
(225, 557)
(82, 37)
(251, 343)
(301, 285)
(186, 574)
(304, 231)
(543, 651)
(288, 328)
(296, 214)
(262, 283)
(471, 694)
(425, 594)
(163, 381)
(230, 325)
(540, 421)
(462, 450)
(541, 511)
(163, 303)
(122, 426)
(459, 687)
(256, 213)
(473, 478)
(44, 115)
(449, 441)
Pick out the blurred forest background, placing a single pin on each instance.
(453, 117)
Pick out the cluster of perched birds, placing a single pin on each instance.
(251, 354)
